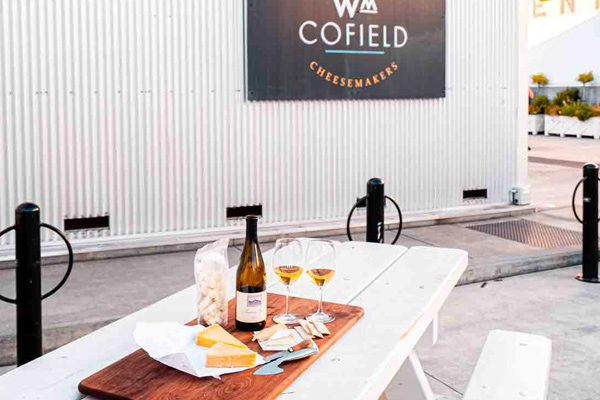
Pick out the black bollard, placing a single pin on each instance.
(375, 211)
(29, 283)
(590, 224)
(29, 279)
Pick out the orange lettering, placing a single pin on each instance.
(570, 3)
(375, 80)
(358, 83)
(537, 9)
(382, 76)
(313, 65)
(343, 82)
(321, 71)
(328, 76)
(336, 79)
(388, 70)
(394, 66)
(350, 82)
(367, 82)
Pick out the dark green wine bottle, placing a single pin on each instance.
(251, 283)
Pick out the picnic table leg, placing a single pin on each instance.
(430, 336)
(414, 384)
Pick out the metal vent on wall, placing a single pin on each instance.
(531, 233)
(243, 211)
(78, 224)
(475, 194)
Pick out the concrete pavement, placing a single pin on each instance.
(555, 167)
(551, 303)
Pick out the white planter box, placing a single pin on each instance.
(536, 124)
(570, 126)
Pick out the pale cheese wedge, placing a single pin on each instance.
(267, 333)
(321, 327)
(225, 356)
(287, 340)
(216, 334)
(303, 334)
(310, 328)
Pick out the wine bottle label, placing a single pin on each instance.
(251, 307)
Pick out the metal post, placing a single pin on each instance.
(375, 210)
(590, 224)
(29, 283)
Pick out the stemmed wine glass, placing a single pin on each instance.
(287, 265)
(320, 267)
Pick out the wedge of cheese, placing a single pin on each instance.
(267, 333)
(225, 356)
(216, 334)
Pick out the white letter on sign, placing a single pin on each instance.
(324, 36)
(301, 32)
(398, 29)
(346, 5)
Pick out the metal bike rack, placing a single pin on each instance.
(374, 201)
(590, 223)
(29, 280)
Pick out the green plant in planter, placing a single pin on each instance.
(539, 79)
(583, 111)
(534, 110)
(539, 105)
(553, 110)
(567, 110)
(580, 110)
(586, 78)
(565, 97)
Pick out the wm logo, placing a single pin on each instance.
(351, 7)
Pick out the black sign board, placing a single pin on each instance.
(345, 49)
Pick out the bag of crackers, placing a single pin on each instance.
(211, 272)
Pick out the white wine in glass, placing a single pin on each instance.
(320, 267)
(321, 276)
(287, 265)
(288, 274)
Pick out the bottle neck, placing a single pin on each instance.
(251, 230)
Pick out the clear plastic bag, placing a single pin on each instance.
(211, 271)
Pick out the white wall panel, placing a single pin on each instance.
(135, 108)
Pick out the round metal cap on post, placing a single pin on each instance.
(590, 257)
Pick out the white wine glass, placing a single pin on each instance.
(320, 267)
(287, 265)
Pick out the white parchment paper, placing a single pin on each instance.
(174, 344)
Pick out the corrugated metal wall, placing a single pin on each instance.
(135, 108)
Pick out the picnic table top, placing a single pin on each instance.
(400, 289)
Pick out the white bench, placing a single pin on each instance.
(512, 366)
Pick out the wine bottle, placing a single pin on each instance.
(251, 283)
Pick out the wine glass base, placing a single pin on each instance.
(320, 316)
(288, 319)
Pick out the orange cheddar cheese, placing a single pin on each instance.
(225, 356)
(216, 334)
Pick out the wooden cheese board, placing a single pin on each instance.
(137, 376)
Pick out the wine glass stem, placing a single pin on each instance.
(287, 299)
(321, 300)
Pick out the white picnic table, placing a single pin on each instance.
(401, 290)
